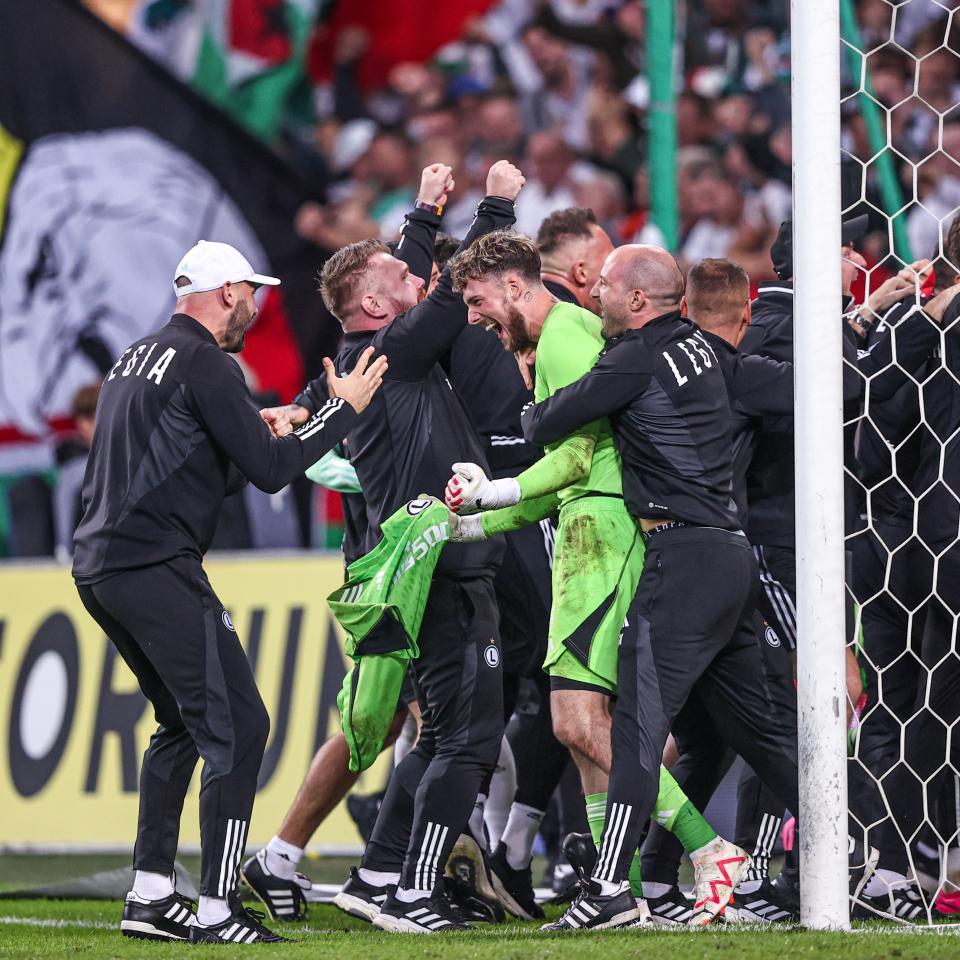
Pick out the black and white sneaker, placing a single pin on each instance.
(581, 853)
(863, 863)
(284, 899)
(673, 909)
(765, 905)
(168, 919)
(468, 866)
(360, 899)
(593, 911)
(514, 887)
(432, 914)
(242, 926)
(898, 903)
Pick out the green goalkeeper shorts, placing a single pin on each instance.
(596, 567)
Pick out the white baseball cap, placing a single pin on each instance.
(209, 265)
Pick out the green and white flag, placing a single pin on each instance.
(247, 56)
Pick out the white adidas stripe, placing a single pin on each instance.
(319, 420)
(613, 837)
(235, 840)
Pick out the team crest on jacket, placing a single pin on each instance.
(227, 622)
(770, 635)
(417, 506)
(492, 655)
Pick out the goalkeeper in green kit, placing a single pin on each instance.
(599, 549)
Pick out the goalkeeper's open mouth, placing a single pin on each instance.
(495, 327)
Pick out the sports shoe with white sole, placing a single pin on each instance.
(763, 905)
(593, 911)
(514, 887)
(672, 909)
(360, 899)
(432, 914)
(242, 926)
(166, 919)
(283, 898)
(903, 903)
(716, 872)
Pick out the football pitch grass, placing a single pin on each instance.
(90, 928)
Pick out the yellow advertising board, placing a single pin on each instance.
(74, 725)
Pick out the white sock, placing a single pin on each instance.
(503, 787)
(406, 741)
(476, 820)
(519, 834)
(408, 896)
(282, 858)
(609, 887)
(748, 886)
(378, 878)
(880, 884)
(211, 911)
(652, 889)
(152, 886)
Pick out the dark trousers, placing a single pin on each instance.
(173, 633)
(690, 628)
(539, 757)
(523, 591)
(460, 689)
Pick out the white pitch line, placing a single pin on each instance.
(50, 922)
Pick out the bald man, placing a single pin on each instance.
(598, 554)
(690, 628)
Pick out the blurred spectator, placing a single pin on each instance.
(548, 167)
(72, 463)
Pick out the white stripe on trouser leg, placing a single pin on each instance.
(606, 842)
(621, 835)
(779, 597)
(435, 858)
(227, 843)
(430, 865)
(424, 848)
(612, 841)
(237, 853)
(771, 587)
(766, 840)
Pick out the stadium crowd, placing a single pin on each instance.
(561, 89)
(599, 608)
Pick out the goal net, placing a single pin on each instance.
(901, 147)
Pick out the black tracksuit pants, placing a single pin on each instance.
(702, 766)
(460, 689)
(691, 627)
(174, 634)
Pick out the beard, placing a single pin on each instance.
(612, 325)
(515, 338)
(238, 323)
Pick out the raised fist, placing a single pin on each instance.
(504, 180)
(436, 182)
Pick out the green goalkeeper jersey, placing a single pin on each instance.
(570, 342)
(381, 608)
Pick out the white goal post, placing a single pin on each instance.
(821, 690)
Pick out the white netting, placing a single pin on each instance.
(902, 153)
